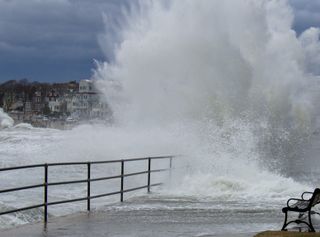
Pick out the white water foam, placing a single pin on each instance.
(5, 120)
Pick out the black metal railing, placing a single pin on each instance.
(46, 184)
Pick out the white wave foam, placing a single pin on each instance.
(261, 187)
(26, 126)
(5, 120)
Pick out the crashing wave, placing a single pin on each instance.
(5, 120)
(25, 126)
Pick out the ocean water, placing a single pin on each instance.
(228, 86)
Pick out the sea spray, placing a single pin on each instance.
(5, 120)
(228, 81)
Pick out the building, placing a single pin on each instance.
(52, 100)
(38, 102)
(86, 99)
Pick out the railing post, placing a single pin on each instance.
(45, 192)
(88, 185)
(122, 181)
(149, 174)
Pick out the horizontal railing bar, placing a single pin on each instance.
(158, 170)
(78, 181)
(83, 180)
(83, 163)
(105, 194)
(141, 187)
(22, 167)
(83, 199)
(68, 182)
(21, 209)
(133, 189)
(21, 188)
(68, 163)
(109, 161)
(146, 158)
(115, 161)
(67, 201)
(156, 184)
(160, 157)
(136, 173)
(102, 195)
(132, 159)
(143, 172)
(78, 199)
(105, 178)
(102, 178)
(96, 162)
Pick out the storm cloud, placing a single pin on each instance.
(53, 40)
(57, 40)
(306, 14)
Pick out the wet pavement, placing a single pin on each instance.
(124, 224)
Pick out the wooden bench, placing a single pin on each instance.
(302, 206)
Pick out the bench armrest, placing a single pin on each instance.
(309, 194)
(298, 203)
(293, 199)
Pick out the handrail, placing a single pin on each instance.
(21, 167)
(99, 179)
(83, 163)
(46, 184)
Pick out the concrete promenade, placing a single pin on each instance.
(117, 224)
(160, 217)
(129, 224)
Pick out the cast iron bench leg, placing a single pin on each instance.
(310, 223)
(285, 222)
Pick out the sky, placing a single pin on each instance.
(58, 40)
